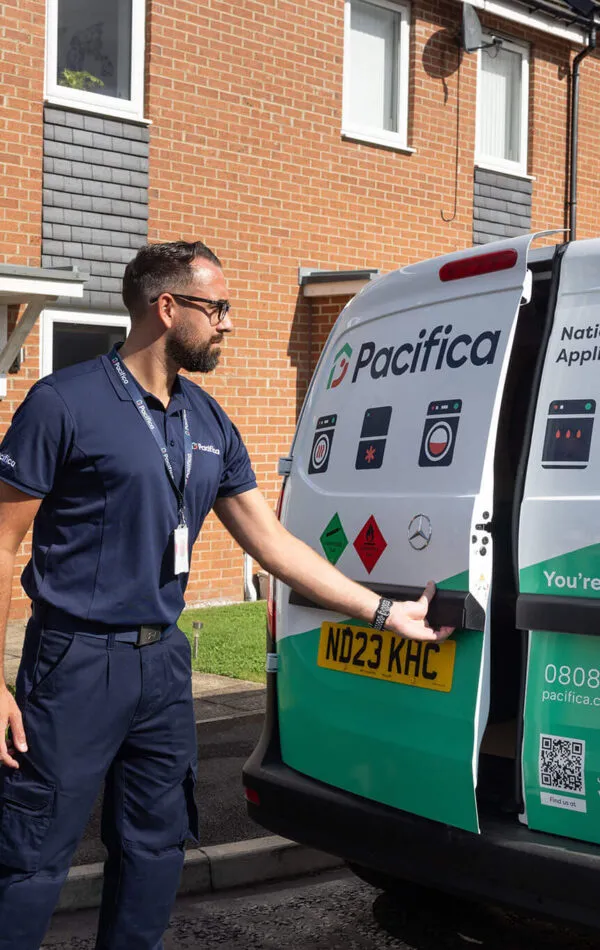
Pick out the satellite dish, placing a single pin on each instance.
(472, 34)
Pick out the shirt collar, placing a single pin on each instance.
(179, 395)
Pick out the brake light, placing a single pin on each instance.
(272, 594)
(252, 796)
(479, 264)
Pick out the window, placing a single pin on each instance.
(95, 55)
(68, 338)
(502, 107)
(376, 71)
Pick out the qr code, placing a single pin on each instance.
(562, 764)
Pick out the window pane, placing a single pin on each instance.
(94, 46)
(373, 66)
(500, 96)
(76, 342)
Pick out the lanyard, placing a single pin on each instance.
(136, 398)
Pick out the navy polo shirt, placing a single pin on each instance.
(103, 535)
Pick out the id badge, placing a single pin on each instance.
(180, 538)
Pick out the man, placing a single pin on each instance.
(117, 462)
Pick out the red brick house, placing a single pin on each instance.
(310, 144)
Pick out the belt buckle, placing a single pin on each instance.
(147, 635)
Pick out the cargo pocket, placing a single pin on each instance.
(191, 829)
(26, 806)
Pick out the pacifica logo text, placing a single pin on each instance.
(431, 352)
(200, 447)
(120, 370)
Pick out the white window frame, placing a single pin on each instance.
(50, 317)
(490, 161)
(367, 133)
(132, 108)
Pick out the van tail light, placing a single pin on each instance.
(271, 597)
(479, 264)
(252, 796)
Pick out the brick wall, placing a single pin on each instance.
(245, 100)
(246, 153)
(22, 37)
(22, 25)
(325, 311)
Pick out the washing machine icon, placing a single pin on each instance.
(439, 433)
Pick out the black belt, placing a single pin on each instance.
(57, 619)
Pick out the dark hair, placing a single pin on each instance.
(157, 268)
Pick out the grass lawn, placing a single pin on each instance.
(232, 640)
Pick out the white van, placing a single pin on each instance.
(448, 433)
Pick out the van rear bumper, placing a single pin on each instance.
(505, 864)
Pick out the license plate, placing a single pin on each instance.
(384, 656)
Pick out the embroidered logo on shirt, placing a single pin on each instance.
(199, 447)
(7, 460)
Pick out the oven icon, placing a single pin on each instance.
(568, 437)
(439, 432)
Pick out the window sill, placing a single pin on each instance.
(502, 170)
(381, 141)
(104, 111)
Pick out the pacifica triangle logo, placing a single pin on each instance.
(340, 366)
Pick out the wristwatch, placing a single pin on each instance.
(382, 613)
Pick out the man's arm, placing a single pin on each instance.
(249, 519)
(17, 511)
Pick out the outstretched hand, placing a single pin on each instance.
(407, 618)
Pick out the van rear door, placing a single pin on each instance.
(559, 561)
(392, 481)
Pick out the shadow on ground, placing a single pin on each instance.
(424, 919)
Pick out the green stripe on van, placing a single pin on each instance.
(574, 574)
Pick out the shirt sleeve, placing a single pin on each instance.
(238, 475)
(37, 443)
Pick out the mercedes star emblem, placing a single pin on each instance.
(419, 532)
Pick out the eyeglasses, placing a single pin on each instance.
(221, 306)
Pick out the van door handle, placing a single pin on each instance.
(486, 526)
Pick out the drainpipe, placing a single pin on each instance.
(574, 131)
(249, 588)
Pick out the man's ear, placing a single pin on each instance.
(165, 306)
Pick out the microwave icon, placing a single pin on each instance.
(568, 438)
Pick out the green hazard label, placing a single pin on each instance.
(334, 540)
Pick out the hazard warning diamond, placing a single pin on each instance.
(370, 544)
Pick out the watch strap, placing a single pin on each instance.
(382, 613)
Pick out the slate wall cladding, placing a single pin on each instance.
(95, 200)
(501, 206)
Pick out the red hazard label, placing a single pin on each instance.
(370, 544)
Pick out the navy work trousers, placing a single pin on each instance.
(97, 708)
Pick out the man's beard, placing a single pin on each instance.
(194, 359)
